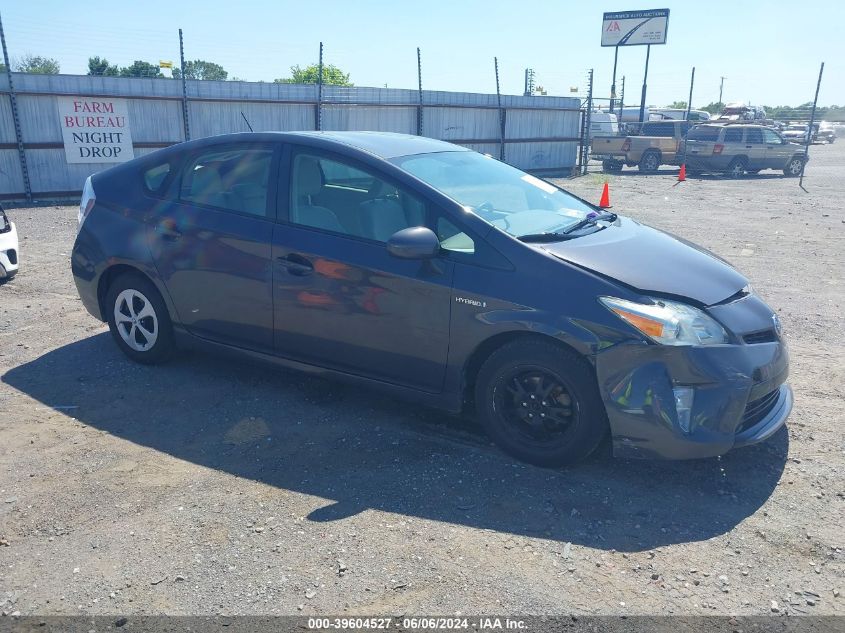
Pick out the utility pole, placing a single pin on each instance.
(613, 85)
(621, 100)
(27, 186)
(721, 86)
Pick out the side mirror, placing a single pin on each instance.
(417, 242)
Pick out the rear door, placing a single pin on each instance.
(755, 148)
(340, 299)
(212, 245)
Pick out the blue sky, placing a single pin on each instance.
(769, 51)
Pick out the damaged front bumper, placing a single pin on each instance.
(694, 401)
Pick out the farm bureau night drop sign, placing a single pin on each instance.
(95, 129)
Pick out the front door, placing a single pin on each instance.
(340, 299)
(212, 246)
(778, 151)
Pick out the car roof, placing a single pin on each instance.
(384, 144)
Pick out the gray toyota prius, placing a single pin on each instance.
(441, 275)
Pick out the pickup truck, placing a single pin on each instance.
(656, 144)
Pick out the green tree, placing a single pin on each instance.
(332, 75)
(37, 65)
(678, 105)
(200, 69)
(714, 107)
(141, 69)
(101, 67)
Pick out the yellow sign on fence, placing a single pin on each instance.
(164, 64)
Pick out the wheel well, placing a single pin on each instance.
(106, 279)
(652, 150)
(486, 349)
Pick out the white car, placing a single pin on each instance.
(8, 247)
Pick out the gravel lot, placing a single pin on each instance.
(212, 486)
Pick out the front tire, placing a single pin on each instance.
(540, 403)
(138, 320)
(793, 167)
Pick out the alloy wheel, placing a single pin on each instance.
(737, 170)
(136, 320)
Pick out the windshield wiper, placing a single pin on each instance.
(590, 219)
(545, 237)
(566, 234)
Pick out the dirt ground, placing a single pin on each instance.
(212, 486)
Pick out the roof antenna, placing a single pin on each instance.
(245, 121)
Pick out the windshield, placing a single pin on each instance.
(509, 199)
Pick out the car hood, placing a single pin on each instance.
(652, 262)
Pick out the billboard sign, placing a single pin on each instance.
(635, 28)
(95, 129)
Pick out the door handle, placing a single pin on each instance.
(296, 264)
(749, 147)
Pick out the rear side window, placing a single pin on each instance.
(704, 133)
(754, 136)
(155, 177)
(733, 135)
(233, 179)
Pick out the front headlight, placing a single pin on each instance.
(669, 322)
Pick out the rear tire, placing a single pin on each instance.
(793, 167)
(613, 166)
(649, 162)
(138, 320)
(540, 403)
(737, 168)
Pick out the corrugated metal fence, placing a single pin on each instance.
(540, 133)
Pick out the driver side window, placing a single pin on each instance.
(332, 195)
(772, 138)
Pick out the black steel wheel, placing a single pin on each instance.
(540, 403)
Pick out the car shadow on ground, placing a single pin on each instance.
(362, 450)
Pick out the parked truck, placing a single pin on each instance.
(656, 143)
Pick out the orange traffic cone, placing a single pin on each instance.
(604, 203)
(682, 175)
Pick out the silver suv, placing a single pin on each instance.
(737, 150)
